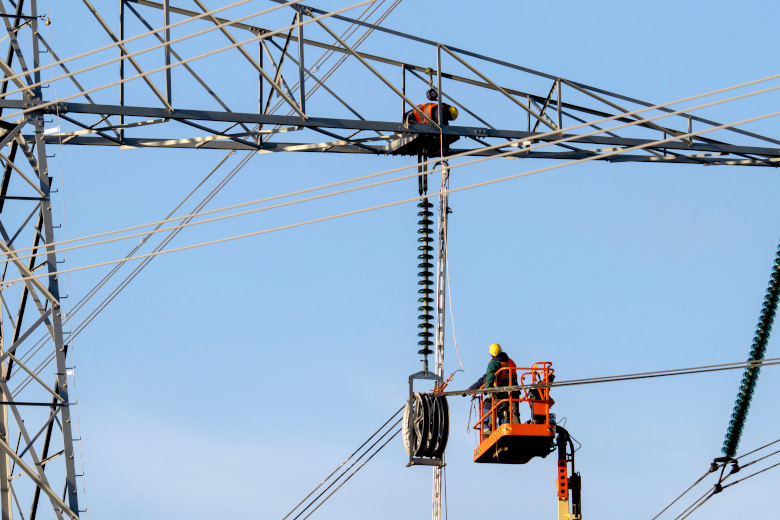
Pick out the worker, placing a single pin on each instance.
(432, 111)
(495, 377)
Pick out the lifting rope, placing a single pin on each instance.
(757, 350)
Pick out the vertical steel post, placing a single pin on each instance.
(560, 103)
(403, 90)
(301, 89)
(441, 293)
(167, 36)
(260, 78)
(70, 491)
(438, 82)
(121, 67)
(6, 505)
(441, 285)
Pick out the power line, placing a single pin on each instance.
(133, 38)
(102, 305)
(403, 201)
(504, 154)
(752, 475)
(346, 471)
(342, 464)
(624, 377)
(682, 495)
(179, 63)
(355, 472)
(468, 153)
(759, 449)
(718, 464)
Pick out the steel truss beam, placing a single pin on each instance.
(537, 106)
(354, 124)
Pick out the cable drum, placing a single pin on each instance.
(443, 409)
(433, 420)
(429, 416)
(414, 417)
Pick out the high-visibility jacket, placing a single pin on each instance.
(427, 109)
(432, 111)
(506, 377)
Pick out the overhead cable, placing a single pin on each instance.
(759, 449)
(133, 38)
(751, 475)
(259, 37)
(342, 464)
(718, 488)
(355, 472)
(468, 153)
(143, 264)
(718, 464)
(346, 471)
(102, 305)
(404, 201)
(616, 378)
(682, 495)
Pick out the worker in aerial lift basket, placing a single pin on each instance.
(432, 111)
(491, 379)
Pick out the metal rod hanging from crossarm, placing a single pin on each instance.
(441, 303)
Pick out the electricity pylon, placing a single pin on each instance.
(180, 108)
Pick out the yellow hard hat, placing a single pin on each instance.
(495, 349)
(453, 113)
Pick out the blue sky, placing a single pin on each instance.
(230, 380)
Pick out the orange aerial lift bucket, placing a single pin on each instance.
(511, 441)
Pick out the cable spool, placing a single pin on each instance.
(426, 264)
(427, 418)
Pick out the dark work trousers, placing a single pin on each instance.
(501, 410)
